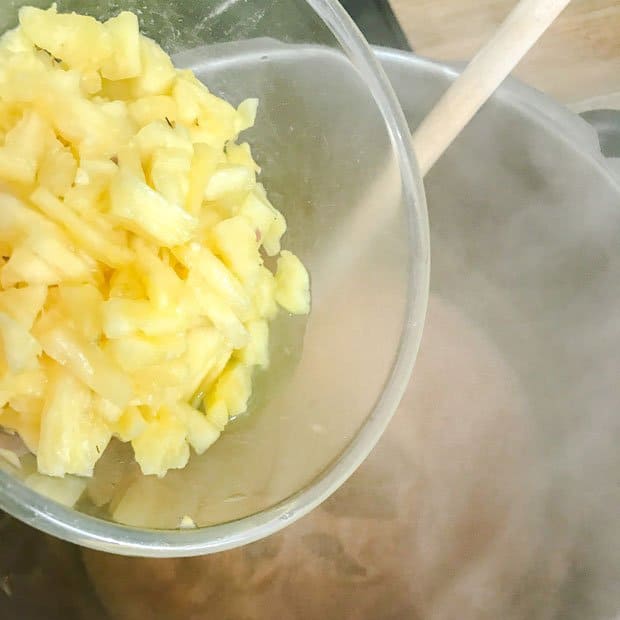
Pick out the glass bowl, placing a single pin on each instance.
(336, 160)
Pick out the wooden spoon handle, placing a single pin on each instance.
(484, 74)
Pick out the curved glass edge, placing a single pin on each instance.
(43, 514)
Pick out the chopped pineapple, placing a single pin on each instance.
(292, 284)
(134, 302)
(126, 61)
(67, 37)
(72, 436)
(145, 212)
(162, 445)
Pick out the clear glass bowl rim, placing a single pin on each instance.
(73, 526)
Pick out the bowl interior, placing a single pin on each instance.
(334, 161)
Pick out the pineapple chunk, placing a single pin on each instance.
(72, 437)
(81, 42)
(162, 285)
(204, 346)
(123, 317)
(23, 149)
(159, 134)
(25, 266)
(145, 212)
(20, 348)
(170, 172)
(82, 305)
(292, 284)
(206, 160)
(65, 491)
(129, 161)
(127, 284)
(233, 388)
(161, 384)
(201, 433)
(86, 361)
(57, 169)
(126, 61)
(130, 424)
(217, 414)
(162, 445)
(267, 221)
(246, 114)
(234, 241)
(137, 351)
(157, 74)
(256, 352)
(216, 310)
(59, 256)
(230, 179)
(28, 427)
(201, 261)
(84, 234)
(154, 108)
(264, 295)
(23, 304)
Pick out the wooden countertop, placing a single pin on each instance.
(576, 61)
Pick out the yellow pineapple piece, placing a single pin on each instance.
(28, 427)
(256, 352)
(81, 42)
(82, 233)
(86, 361)
(267, 221)
(147, 110)
(203, 264)
(137, 351)
(127, 284)
(157, 74)
(23, 149)
(201, 432)
(159, 134)
(66, 491)
(23, 304)
(241, 155)
(230, 179)
(233, 388)
(105, 409)
(72, 437)
(20, 348)
(57, 169)
(82, 305)
(246, 114)
(204, 164)
(122, 317)
(264, 295)
(234, 241)
(25, 266)
(272, 238)
(170, 174)
(161, 283)
(125, 61)
(160, 384)
(129, 161)
(130, 424)
(209, 304)
(204, 346)
(162, 445)
(292, 284)
(56, 252)
(217, 414)
(145, 212)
